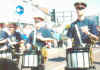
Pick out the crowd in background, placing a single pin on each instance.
(24, 36)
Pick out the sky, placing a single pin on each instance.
(8, 11)
(57, 4)
(68, 4)
(8, 7)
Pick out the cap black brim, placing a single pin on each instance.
(78, 3)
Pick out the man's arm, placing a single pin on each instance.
(44, 39)
(70, 36)
(92, 34)
(3, 41)
(69, 43)
(4, 37)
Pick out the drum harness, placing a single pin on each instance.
(79, 36)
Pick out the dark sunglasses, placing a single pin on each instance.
(79, 8)
(11, 26)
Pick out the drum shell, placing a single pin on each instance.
(77, 58)
(30, 59)
(6, 55)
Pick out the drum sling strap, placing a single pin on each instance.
(79, 36)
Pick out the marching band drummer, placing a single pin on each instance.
(14, 40)
(83, 29)
(3, 38)
(14, 37)
(38, 38)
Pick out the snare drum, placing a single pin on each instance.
(30, 60)
(6, 55)
(77, 58)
